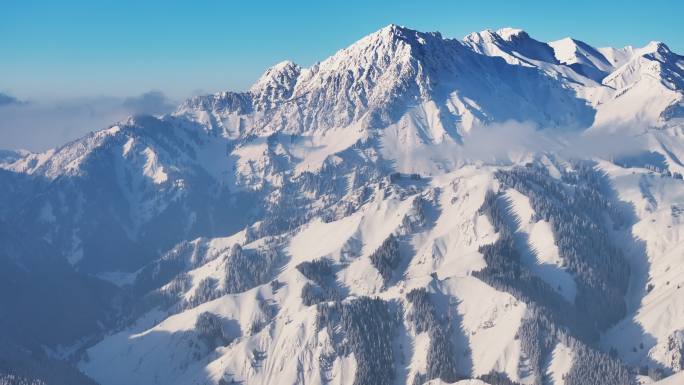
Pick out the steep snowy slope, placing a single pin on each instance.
(145, 173)
(434, 231)
(10, 156)
(445, 241)
(383, 77)
(648, 88)
(651, 334)
(582, 58)
(627, 87)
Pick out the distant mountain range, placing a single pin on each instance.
(411, 210)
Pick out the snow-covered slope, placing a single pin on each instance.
(651, 333)
(377, 218)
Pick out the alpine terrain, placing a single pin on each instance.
(411, 210)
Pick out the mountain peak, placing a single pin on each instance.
(393, 34)
(582, 58)
(284, 66)
(512, 44)
(508, 33)
(390, 44)
(280, 74)
(490, 36)
(382, 75)
(276, 84)
(394, 30)
(656, 47)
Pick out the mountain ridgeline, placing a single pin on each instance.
(413, 209)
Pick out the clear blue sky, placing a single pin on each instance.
(120, 48)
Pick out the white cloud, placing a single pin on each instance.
(39, 125)
(503, 142)
(8, 100)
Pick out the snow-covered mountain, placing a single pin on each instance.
(411, 210)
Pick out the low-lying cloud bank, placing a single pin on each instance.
(39, 125)
(509, 141)
(8, 100)
(514, 142)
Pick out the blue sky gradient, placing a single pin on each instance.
(67, 49)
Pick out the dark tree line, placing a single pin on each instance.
(161, 271)
(387, 257)
(441, 355)
(246, 269)
(537, 337)
(578, 211)
(210, 329)
(293, 204)
(11, 379)
(591, 366)
(322, 273)
(268, 310)
(412, 223)
(207, 290)
(675, 345)
(314, 294)
(497, 378)
(506, 272)
(365, 327)
(167, 296)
